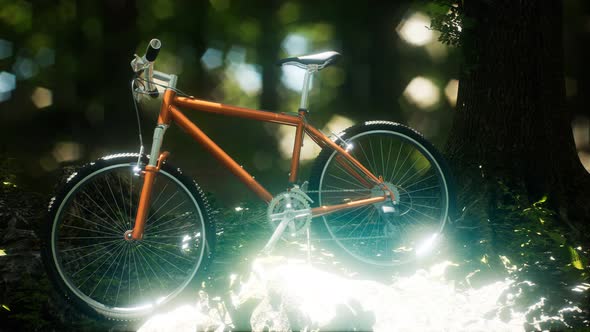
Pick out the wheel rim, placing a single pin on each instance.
(121, 277)
(368, 233)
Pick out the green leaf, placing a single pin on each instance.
(541, 201)
(576, 261)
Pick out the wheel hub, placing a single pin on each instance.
(128, 235)
(399, 205)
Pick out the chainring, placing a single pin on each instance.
(293, 206)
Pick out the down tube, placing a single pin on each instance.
(217, 152)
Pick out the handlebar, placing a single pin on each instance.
(144, 66)
(152, 50)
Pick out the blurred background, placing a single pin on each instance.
(65, 74)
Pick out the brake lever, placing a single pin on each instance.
(139, 64)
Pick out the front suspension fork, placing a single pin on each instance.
(149, 174)
(145, 197)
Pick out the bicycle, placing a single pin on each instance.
(128, 232)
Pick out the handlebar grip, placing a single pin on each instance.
(152, 50)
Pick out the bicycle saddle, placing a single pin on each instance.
(322, 60)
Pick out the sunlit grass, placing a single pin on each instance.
(448, 290)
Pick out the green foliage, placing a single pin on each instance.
(7, 172)
(533, 235)
(26, 302)
(448, 19)
(18, 207)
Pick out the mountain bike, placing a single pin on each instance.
(129, 232)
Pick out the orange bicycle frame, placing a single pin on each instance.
(169, 112)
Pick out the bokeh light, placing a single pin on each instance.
(451, 91)
(247, 76)
(25, 68)
(45, 57)
(295, 44)
(42, 97)
(337, 123)
(422, 92)
(292, 78)
(212, 58)
(581, 128)
(5, 49)
(286, 137)
(414, 30)
(7, 84)
(67, 151)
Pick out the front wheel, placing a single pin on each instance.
(88, 258)
(385, 233)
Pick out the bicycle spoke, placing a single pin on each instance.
(425, 215)
(88, 246)
(105, 272)
(409, 169)
(426, 206)
(422, 189)
(89, 237)
(352, 220)
(116, 231)
(396, 161)
(382, 160)
(339, 178)
(415, 183)
(115, 200)
(123, 198)
(108, 205)
(169, 229)
(114, 224)
(89, 230)
(160, 264)
(150, 267)
(142, 268)
(401, 184)
(120, 277)
(168, 252)
(160, 194)
(372, 167)
(106, 258)
(153, 214)
(98, 206)
(367, 217)
(400, 167)
(148, 226)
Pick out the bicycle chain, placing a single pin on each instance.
(338, 191)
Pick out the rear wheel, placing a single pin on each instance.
(88, 257)
(385, 233)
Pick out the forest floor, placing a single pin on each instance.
(460, 286)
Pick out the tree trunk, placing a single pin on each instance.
(268, 49)
(511, 123)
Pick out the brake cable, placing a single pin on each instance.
(138, 122)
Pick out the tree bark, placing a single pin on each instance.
(511, 124)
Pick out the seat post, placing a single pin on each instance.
(309, 71)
